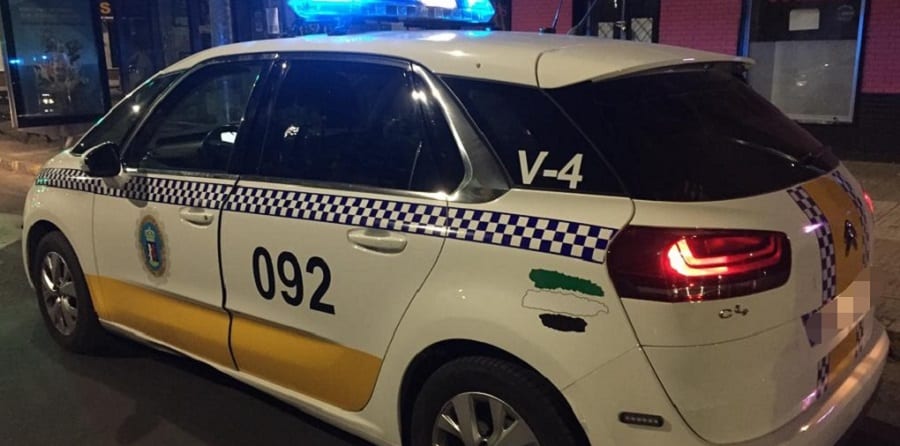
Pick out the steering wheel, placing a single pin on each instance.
(217, 145)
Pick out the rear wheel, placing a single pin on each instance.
(482, 401)
(63, 296)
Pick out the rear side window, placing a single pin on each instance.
(693, 135)
(116, 125)
(358, 123)
(537, 144)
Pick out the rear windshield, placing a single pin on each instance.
(693, 135)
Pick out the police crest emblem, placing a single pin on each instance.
(152, 245)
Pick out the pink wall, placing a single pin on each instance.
(711, 25)
(714, 25)
(531, 15)
(881, 60)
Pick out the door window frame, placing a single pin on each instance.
(467, 140)
(250, 114)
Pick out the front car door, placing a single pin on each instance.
(324, 248)
(156, 224)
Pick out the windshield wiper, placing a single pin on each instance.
(810, 157)
(806, 161)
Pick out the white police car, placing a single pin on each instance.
(467, 238)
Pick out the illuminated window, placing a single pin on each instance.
(807, 56)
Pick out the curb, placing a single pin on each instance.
(18, 166)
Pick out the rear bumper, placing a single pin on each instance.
(629, 384)
(825, 422)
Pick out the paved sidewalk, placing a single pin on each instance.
(19, 156)
(882, 181)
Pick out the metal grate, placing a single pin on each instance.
(642, 29)
(606, 30)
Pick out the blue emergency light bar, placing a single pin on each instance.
(464, 11)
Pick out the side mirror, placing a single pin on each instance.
(102, 160)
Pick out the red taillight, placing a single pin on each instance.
(869, 202)
(685, 265)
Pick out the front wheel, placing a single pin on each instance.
(482, 401)
(63, 296)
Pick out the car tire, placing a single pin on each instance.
(483, 383)
(63, 296)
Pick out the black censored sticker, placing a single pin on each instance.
(563, 323)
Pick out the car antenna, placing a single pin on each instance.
(552, 28)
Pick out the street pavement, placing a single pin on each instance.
(132, 396)
(13, 187)
(138, 396)
(882, 181)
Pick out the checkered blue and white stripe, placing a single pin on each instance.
(570, 239)
(367, 212)
(860, 334)
(157, 190)
(72, 179)
(178, 192)
(863, 216)
(812, 324)
(539, 234)
(824, 238)
(824, 367)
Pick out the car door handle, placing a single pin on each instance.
(197, 216)
(377, 240)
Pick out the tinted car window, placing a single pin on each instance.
(693, 135)
(440, 166)
(356, 123)
(537, 144)
(196, 124)
(116, 125)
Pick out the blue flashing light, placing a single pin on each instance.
(446, 4)
(467, 11)
(15, 61)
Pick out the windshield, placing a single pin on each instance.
(693, 135)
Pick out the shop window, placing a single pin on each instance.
(636, 20)
(807, 55)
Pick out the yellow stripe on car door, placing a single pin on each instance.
(197, 329)
(329, 372)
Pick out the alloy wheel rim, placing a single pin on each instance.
(480, 419)
(58, 292)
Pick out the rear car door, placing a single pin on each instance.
(156, 224)
(323, 249)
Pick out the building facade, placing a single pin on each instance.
(866, 92)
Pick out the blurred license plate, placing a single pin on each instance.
(844, 354)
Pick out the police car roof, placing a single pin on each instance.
(523, 58)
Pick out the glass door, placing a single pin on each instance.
(150, 35)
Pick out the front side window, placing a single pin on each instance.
(195, 126)
(356, 123)
(116, 125)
